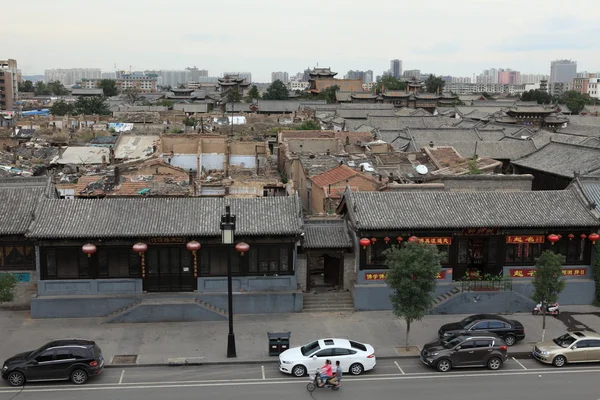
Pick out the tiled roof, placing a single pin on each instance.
(316, 164)
(455, 210)
(333, 176)
(289, 106)
(590, 186)
(562, 159)
(155, 217)
(18, 199)
(326, 235)
(364, 113)
(133, 185)
(345, 85)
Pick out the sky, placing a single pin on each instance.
(458, 37)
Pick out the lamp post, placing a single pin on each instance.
(227, 230)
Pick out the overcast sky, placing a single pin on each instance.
(444, 37)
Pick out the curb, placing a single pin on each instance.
(516, 354)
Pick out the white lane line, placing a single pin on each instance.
(517, 361)
(262, 368)
(396, 362)
(121, 378)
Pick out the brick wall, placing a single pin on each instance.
(508, 183)
(301, 270)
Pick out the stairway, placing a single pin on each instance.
(328, 302)
(444, 297)
(121, 311)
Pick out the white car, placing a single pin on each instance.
(354, 357)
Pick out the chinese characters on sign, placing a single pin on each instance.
(436, 240)
(167, 240)
(381, 276)
(525, 239)
(480, 231)
(530, 272)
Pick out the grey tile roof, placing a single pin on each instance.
(577, 129)
(326, 235)
(366, 106)
(315, 164)
(455, 210)
(562, 159)
(19, 198)
(590, 186)
(153, 217)
(501, 150)
(288, 106)
(363, 113)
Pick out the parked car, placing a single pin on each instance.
(480, 350)
(511, 331)
(354, 357)
(572, 347)
(69, 359)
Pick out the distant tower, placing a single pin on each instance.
(396, 68)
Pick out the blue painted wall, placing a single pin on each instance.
(377, 296)
(74, 307)
(89, 287)
(490, 302)
(168, 313)
(258, 303)
(248, 284)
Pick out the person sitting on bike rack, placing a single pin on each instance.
(326, 373)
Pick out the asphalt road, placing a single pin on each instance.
(402, 378)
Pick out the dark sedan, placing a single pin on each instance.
(510, 331)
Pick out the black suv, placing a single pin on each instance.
(72, 359)
(486, 350)
(510, 331)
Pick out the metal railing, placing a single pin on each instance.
(495, 285)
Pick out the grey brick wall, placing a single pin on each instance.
(301, 271)
(511, 183)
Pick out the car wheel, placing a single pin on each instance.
(494, 363)
(444, 365)
(299, 370)
(559, 361)
(16, 379)
(510, 340)
(79, 377)
(356, 369)
(311, 387)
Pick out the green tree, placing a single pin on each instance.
(132, 94)
(537, 95)
(435, 84)
(189, 121)
(91, 106)
(309, 125)
(252, 94)
(302, 94)
(7, 285)
(547, 281)
(575, 101)
(56, 88)
(388, 82)
(232, 96)
(276, 91)
(109, 87)
(61, 108)
(328, 94)
(412, 276)
(26, 87)
(41, 89)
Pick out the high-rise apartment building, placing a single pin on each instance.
(488, 77)
(71, 76)
(7, 94)
(108, 75)
(412, 73)
(396, 68)
(11, 78)
(533, 79)
(368, 76)
(562, 71)
(281, 76)
(508, 77)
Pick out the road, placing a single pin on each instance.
(402, 378)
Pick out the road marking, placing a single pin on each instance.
(121, 378)
(517, 361)
(262, 367)
(152, 385)
(396, 362)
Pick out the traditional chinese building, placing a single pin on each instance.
(229, 82)
(323, 78)
(532, 115)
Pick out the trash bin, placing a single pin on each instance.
(278, 342)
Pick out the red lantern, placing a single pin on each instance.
(583, 236)
(413, 239)
(571, 236)
(193, 246)
(399, 239)
(242, 247)
(364, 242)
(559, 236)
(552, 238)
(88, 249)
(373, 240)
(386, 240)
(594, 237)
(140, 248)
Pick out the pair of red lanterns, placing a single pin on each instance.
(593, 237)
(141, 248)
(364, 242)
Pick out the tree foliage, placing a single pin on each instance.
(309, 125)
(412, 276)
(232, 96)
(548, 281)
(92, 106)
(132, 95)
(109, 87)
(61, 108)
(7, 285)
(51, 88)
(434, 84)
(190, 121)
(26, 87)
(328, 94)
(252, 94)
(388, 82)
(276, 91)
(575, 101)
(537, 95)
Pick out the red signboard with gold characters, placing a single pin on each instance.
(531, 239)
(436, 240)
(381, 276)
(530, 272)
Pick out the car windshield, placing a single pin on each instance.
(467, 321)
(309, 348)
(452, 343)
(565, 340)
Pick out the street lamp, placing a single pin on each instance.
(227, 230)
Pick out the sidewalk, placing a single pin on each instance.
(206, 342)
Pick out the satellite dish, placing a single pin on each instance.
(421, 169)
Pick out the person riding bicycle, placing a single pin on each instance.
(326, 373)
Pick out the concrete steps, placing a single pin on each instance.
(445, 297)
(328, 302)
(121, 311)
(212, 308)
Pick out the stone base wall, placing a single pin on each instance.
(302, 270)
(349, 273)
(25, 288)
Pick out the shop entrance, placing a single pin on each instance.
(477, 255)
(324, 272)
(169, 269)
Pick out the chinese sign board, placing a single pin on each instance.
(480, 231)
(167, 240)
(530, 272)
(525, 239)
(381, 276)
(436, 240)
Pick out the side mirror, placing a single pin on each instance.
(574, 348)
(34, 362)
(457, 348)
(314, 357)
